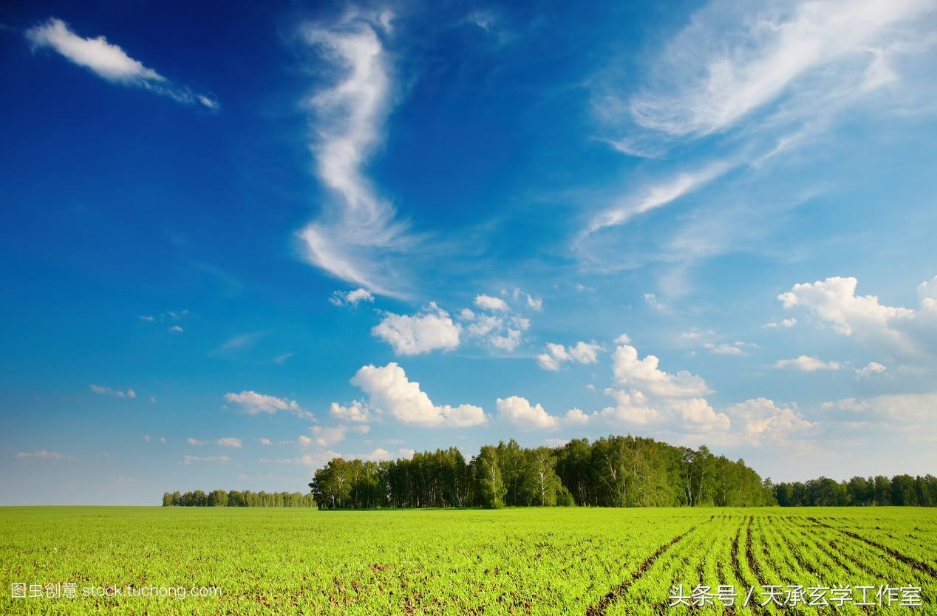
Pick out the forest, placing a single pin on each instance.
(235, 498)
(617, 471)
(900, 490)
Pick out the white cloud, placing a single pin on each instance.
(736, 348)
(253, 403)
(697, 416)
(356, 230)
(630, 408)
(41, 455)
(644, 374)
(325, 437)
(653, 302)
(576, 416)
(109, 62)
(871, 369)
(351, 298)
(764, 420)
(147, 318)
(519, 412)
(731, 61)
(175, 329)
(264, 441)
(487, 302)
(655, 197)
(557, 355)
(834, 303)
(429, 330)
(213, 459)
(497, 331)
(107, 391)
(356, 412)
(239, 342)
(229, 441)
(785, 323)
(623, 339)
(390, 391)
(805, 363)
(196, 442)
(146, 438)
(834, 300)
(535, 303)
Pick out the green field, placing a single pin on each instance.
(511, 561)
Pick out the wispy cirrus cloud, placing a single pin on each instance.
(741, 86)
(357, 226)
(110, 62)
(732, 61)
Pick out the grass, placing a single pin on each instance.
(513, 561)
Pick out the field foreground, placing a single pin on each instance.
(514, 561)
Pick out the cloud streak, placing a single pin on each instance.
(110, 62)
(357, 225)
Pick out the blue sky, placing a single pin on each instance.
(234, 246)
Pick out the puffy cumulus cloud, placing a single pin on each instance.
(351, 298)
(521, 413)
(630, 408)
(229, 441)
(391, 392)
(324, 437)
(356, 412)
(381, 454)
(872, 368)
(763, 420)
(356, 233)
(697, 416)
(805, 363)
(253, 403)
(494, 304)
(503, 333)
(557, 355)
(783, 323)
(927, 292)
(645, 375)
(834, 301)
(429, 330)
(109, 62)
(576, 417)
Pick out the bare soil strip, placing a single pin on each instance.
(599, 609)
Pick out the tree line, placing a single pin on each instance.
(617, 471)
(902, 490)
(235, 498)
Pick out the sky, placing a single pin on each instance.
(235, 245)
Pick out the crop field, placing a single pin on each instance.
(511, 561)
